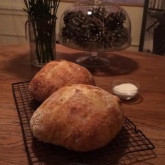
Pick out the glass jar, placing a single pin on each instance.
(42, 39)
(97, 25)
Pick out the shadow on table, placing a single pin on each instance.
(114, 153)
(51, 154)
(135, 157)
(21, 67)
(118, 65)
(136, 100)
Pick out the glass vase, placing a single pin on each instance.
(42, 40)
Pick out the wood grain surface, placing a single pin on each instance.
(147, 110)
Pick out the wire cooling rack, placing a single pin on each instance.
(131, 145)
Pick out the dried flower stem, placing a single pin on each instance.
(42, 18)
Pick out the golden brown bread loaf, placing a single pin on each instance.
(55, 75)
(78, 117)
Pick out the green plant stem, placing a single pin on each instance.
(36, 41)
(42, 16)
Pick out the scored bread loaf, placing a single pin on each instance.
(55, 75)
(78, 117)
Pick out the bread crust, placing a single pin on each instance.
(55, 75)
(78, 117)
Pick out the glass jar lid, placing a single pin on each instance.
(97, 25)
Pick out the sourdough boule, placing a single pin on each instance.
(55, 75)
(78, 117)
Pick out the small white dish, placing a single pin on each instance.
(125, 89)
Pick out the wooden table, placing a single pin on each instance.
(146, 111)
